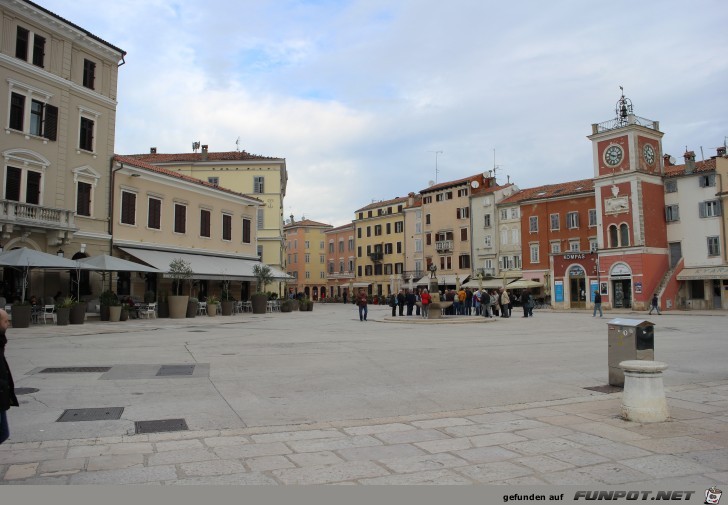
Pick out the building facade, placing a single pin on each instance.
(60, 87)
(485, 222)
(306, 249)
(340, 261)
(414, 261)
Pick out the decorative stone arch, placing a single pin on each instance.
(620, 278)
(26, 157)
(27, 162)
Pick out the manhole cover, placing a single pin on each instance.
(176, 370)
(606, 389)
(197, 331)
(76, 369)
(25, 391)
(160, 426)
(103, 414)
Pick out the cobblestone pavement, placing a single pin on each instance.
(564, 441)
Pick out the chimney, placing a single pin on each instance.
(666, 160)
(152, 150)
(292, 220)
(721, 151)
(689, 162)
(204, 152)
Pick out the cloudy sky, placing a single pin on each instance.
(360, 95)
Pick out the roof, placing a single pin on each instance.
(383, 203)
(303, 223)
(551, 191)
(171, 173)
(481, 190)
(700, 166)
(200, 157)
(450, 184)
(69, 23)
(343, 227)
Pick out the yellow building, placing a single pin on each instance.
(263, 177)
(380, 246)
(306, 257)
(59, 85)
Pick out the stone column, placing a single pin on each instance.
(643, 399)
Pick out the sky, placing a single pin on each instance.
(369, 100)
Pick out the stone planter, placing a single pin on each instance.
(114, 313)
(260, 303)
(286, 306)
(212, 309)
(124, 316)
(226, 307)
(78, 313)
(177, 306)
(192, 309)
(309, 306)
(63, 316)
(21, 315)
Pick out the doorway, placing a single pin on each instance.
(675, 253)
(622, 289)
(717, 302)
(577, 288)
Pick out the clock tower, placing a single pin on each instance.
(629, 194)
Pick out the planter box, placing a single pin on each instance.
(192, 309)
(226, 307)
(212, 309)
(260, 303)
(78, 314)
(177, 306)
(21, 315)
(63, 316)
(114, 313)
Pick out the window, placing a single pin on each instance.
(574, 245)
(128, 208)
(388, 248)
(445, 262)
(322, 259)
(514, 213)
(89, 73)
(260, 224)
(504, 214)
(418, 228)
(246, 235)
(555, 247)
(306, 244)
(427, 199)
(593, 244)
(204, 223)
(215, 181)
(341, 246)
(399, 227)
(516, 261)
(358, 252)
(38, 50)
(358, 233)
(16, 179)
(377, 230)
(86, 134)
(533, 224)
(534, 253)
(307, 258)
(22, 44)
(555, 222)
(369, 231)
(41, 118)
(515, 236)
(504, 237)
(154, 213)
(389, 228)
(351, 244)
(428, 238)
(378, 269)
(671, 186)
(331, 247)
(83, 199)
(321, 244)
(613, 236)
(351, 266)
(368, 270)
(713, 246)
(672, 213)
(358, 271)
(180, 218)
(427, 219)
(463, 234)
(227, 227)
(710, 208)
(624, 235)
(398, 268)
(572, 220)
(418, 245)
(592, 217)
(331, 267)
(341, 266)
(463, 192)
(463, 213)
(486, 220)
(488, 241)
(259, 184)
(707, 180)
(464, 261)
(308, 274)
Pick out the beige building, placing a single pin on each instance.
(263, 177)
(414, 260)
(446, 212)
(306, 251)
(59, 82)
(380, 241)
(159, 215)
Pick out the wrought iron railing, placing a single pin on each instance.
(613, 124)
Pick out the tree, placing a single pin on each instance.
(180, 270)
(263, 276)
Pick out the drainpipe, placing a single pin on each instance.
(722, 194)
(111, 203)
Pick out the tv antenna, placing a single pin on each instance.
(195, 146)
(495, 167)
(237, 144)
(436, 170)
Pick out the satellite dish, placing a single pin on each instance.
(672, 160)
(486, 174)
(431, 183)
(475, 184)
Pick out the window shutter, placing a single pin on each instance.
(701, 205)
(83, 203)
(32, 190)
(457, 213)
(50, 122)
(12, 184)
(718, 208)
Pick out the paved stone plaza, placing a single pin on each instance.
(320, 397)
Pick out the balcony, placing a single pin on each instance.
(486, 272)
(444, 245)
(38, 218)
(376, 256)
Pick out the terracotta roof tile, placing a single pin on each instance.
(700, 166)
(304, 223)
(343, 227)
(551, 191)
(383, 203)
(171, 173)
(200, 157)
(450, 184)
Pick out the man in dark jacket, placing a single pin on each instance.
(400, 302)
(411, 299)
(7, 387)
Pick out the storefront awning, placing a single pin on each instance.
(492, 283)
(700, 273)
(213, 268)
(442, 280)
(524, 284)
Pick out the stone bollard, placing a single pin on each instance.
(643, 399)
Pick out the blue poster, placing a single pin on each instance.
(593, 286)
(559, 291)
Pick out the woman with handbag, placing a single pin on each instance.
(7, 387)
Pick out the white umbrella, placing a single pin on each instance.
(25, 259)
(106, 263)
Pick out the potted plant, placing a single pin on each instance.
(303, 304)
(226, 301)
(309, 305)
(212, 305)
(63, 311)
(21, 313)
(163, 305)
(78, 313)
(287, 306)
(149, 297)
(107, 300)
(180, 271)
(192, 306)
(263, 277)
(124, 315)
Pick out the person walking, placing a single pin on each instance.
(525, 301)
(361, 301)
(655, 305)
(426, 299)
(597, 304)
(7, 387)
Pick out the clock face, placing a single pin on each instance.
(613, 155)
(648, 153)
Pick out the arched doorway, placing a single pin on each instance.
(577, 287)
(323, 292)
(79, 283)
(315, 293)
(620, 276)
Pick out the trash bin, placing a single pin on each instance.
(628, 339)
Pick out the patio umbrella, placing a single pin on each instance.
(26, 259)
(106, 263)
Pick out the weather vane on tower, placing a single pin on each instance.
(623, 109)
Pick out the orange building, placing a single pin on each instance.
(306, 255)
(340, 260)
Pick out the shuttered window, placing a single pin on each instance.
(86, 135)
(227, 227)
(128, 208)
(246, 231)
(12, 184)
(154, 214)
(32, 188)
(38, 50)
(89, 73)
(17, 111)
(83, 199)
(180, 218)
(205, 223)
